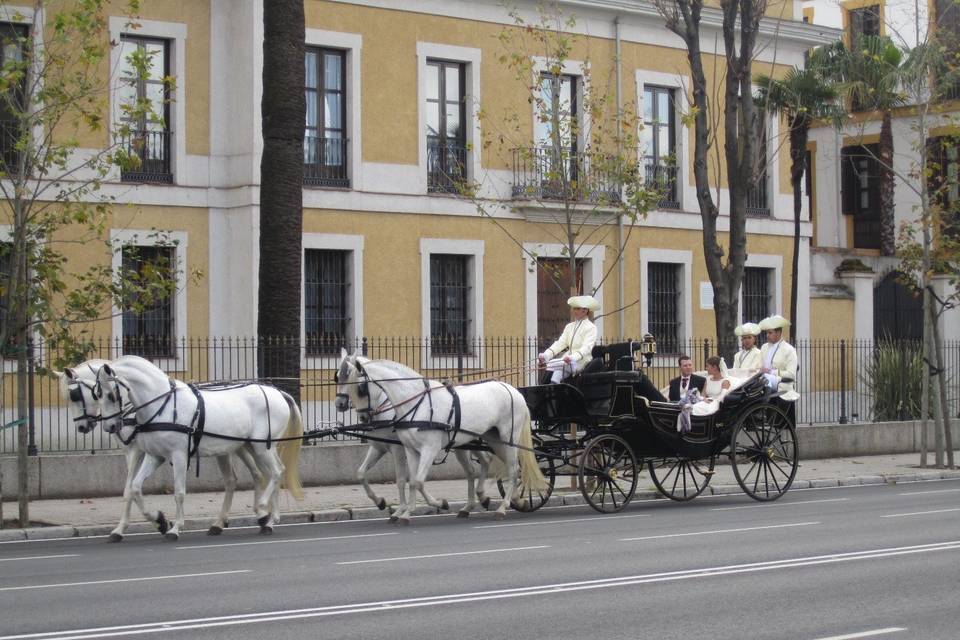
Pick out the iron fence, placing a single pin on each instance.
(153, 150)
(325, 162)
(840, 381)
(544, 173)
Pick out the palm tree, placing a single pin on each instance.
(281, 192)
(802, 96)
(872, 71)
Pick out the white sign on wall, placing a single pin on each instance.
(706, 295)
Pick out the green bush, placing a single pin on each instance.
(893, 377)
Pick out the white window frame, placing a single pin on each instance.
(474, 250)
(470, 57)
(593, 256)
(337, 242)
(147, 238)
(775, 264)
(176, 33)
(576, 68)
(679, 84)
(685, 260)
(352, 44)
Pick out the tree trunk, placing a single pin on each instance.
(798, 162)
(943, 410)
(888, 223)
(281, 194)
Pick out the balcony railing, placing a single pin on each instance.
(446, 166)
(663, 178)
(325, 162)
(153, 150)
(757, 204)
(544, 174)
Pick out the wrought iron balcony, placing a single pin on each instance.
(663, 178)
(543, 174)
(446, 166)
(757, 204)
(325, 162)
(153, 150)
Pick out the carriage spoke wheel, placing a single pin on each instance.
(608, 473)
(763, 452)
(533, 500)
(681, 479)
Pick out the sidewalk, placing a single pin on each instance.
(97, 516)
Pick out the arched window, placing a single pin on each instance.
(897, 310)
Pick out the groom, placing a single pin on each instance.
(687, 380)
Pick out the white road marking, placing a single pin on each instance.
(703, 533)
(919, 493)
(918, 513)
(243, 544)
(428, 601)
(65, 555)
(865, 634)
(119, 580)
(587, 519)
(445, 555)
(778, 504)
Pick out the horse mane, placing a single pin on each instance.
(395, 367)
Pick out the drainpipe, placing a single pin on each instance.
(620, 269)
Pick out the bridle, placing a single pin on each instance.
(75, 394)
(363, 391)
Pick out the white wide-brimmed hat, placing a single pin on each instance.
(747, 329)
(584, 302)
(774, 322)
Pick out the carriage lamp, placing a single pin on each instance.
(649, 348)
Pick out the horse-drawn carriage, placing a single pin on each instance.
(603, 427)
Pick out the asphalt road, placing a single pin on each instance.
(878, 561)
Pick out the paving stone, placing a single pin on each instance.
(901, 477)
(91, 530)
(8, 535)
(800, 484)
(366, 513)
(726, 489)
(330, 515)
(296, 517)
(574, 498)
(825, 482)
(50, 533)
(849, 481)
(872, 480)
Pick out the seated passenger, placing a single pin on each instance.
(717, 386)
(577, 339)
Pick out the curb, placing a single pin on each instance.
(348, 512)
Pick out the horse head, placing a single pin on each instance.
(77, 390)
(352, 389)
(108, 391)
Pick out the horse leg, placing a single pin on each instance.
(229, 486)
(402, 515)
(463, 457)
(483, 462)
(374, 453)
(147, 467)
(400, 472)
(134, 457)
(511, 463)
(426, 455)
(245, 454)
(180, 464)
(268, 461)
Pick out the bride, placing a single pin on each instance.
(717, 386)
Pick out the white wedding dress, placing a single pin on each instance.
(713, 393)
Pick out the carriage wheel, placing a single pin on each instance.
(533, 500)
(681, 479)
(608, 473)
(763, 452)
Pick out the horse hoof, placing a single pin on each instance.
(382, 504)
(463, 514)
(171, 536)
(499, 516)
(263, 521)
(444, 505)
(162, 523)
(485, 503)
(115, 537)
(393, 519)
(266, 530)
(214, 530)
(226, 523)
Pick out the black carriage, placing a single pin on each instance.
(602, 427)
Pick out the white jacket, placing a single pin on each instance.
(577, 340)
(747, 359)
(784, 366)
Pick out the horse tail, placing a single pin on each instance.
(531, 477)
(289, 450)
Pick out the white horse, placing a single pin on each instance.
(374, 409)
(241, 414)
(76, 387)
(494, 410)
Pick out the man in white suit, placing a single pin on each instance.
(779, 358)
(577, 339)
(749, 355)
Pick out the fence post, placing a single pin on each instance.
(31, 430)
(363, 345)
(463, 347)
(706, 350)
(843, 382)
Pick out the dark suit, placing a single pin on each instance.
(696, 382)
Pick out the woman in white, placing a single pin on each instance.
(749, 355)
(577, 340)
(717, 386)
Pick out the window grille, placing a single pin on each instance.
(659, 144)
(449, 309)
(325, 300)
(148, 331)
(756, 294)
(148, 136)
(663, 305)
(446, 126)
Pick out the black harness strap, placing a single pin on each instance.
(453, 418)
